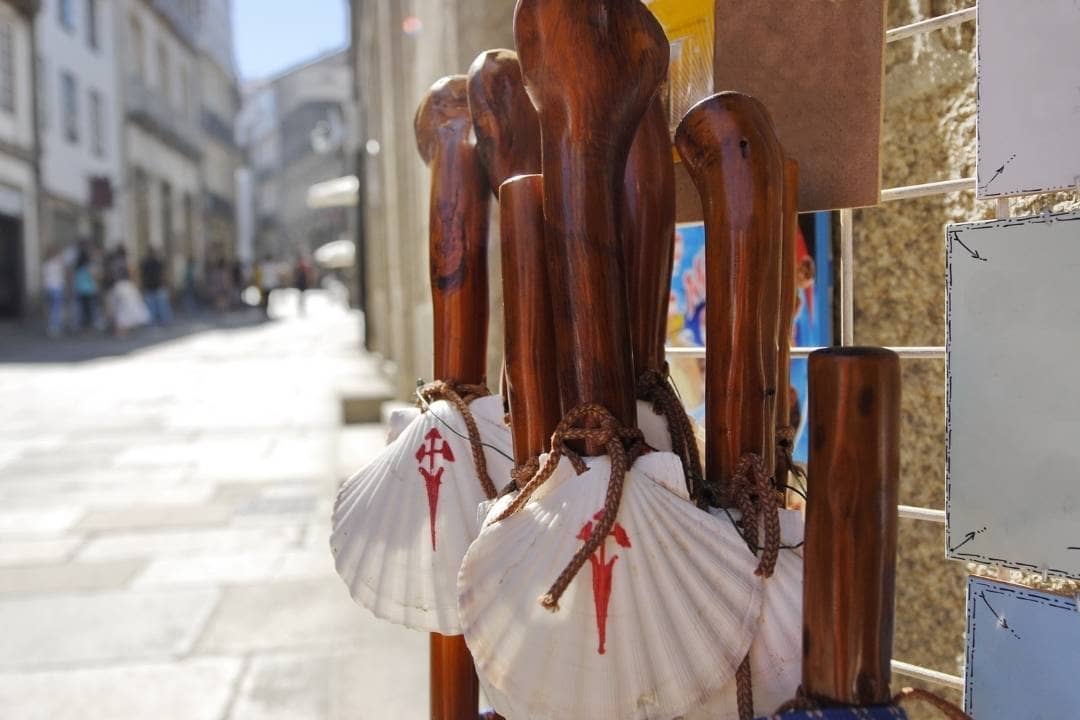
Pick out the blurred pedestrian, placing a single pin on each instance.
(155, 292)
(190, 292)
(126, 306)
(239, 282)
(85, 285)
(268, 282)
(302, 280)
(54, 279)
(219, 282)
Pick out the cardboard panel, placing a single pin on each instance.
(1023, 651)
(1029, 97)
(1013, 398)
(818, 67)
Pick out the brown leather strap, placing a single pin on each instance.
(460, 395)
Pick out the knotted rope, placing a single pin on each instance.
(460, 395)
(655, 388)
(802, 702)
(759, 504)
(595, 425)
(785, 449)
(744, 689)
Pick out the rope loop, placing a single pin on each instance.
(460, 395)
(596, 425)
(656, 388)
(759, 504)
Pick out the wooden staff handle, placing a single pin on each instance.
(850, 553)
(787, 311)
(458, 232)
(459, 293)
(504, 119)
(648, 233)
(732, 154)
(530, 335)
(592, 68)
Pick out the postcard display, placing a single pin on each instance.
(1012, 496)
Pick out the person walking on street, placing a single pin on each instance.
(126, 304)
(156, 294)
(268, 282)
(86, 290)
(53, 278)
(302, 281)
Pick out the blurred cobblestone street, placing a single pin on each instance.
(164, 515)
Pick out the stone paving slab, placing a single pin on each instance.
(191, 542)
(135, 517)
(233, 569)
(197, 689)
(37, 552)
(38, 521)
(73, 628)
(67, 577)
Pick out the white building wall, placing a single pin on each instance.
(17, 182)
(66, 166)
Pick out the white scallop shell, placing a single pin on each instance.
(398, 553)
(653, 426)
(399, 419)
(776, 653)
(682, 606)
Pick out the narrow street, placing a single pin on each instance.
(164, 515)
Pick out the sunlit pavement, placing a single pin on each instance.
(164, 515)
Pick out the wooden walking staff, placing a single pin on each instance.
(731, 152)
(459, 293)
(785, 434)
(504, 119)
(530, 336)
(591, 68)
(851, 518)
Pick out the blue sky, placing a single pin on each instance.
(272, 35)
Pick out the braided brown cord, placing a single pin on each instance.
(596, 425)
(523, 473)
(744, 689)
(785, 445)
(460, 395)
(759, 504)
(655, 387)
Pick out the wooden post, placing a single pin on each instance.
(504, 119)
(459, 293)
(851, 517)
(731, 152)
(648, 236)
(530, 336)
(592, 69)
(788, 297)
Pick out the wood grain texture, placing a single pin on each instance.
(458, 231)
(648, 236)
(730, 150)
(504, 119)
(591, 69)
(851, 524)
(818, 67)
(532, 379)
(455, 689)
(788, 301)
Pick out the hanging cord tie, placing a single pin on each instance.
(759, 504)
(460, 395)
(595, 425)
(655, 387)
(785, 444)
(521, 474)
(802, 702)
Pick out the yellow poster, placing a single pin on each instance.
(690, 27)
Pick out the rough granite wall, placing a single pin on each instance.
(929, 134)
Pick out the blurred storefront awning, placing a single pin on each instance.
(339, 192)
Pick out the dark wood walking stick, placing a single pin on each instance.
(851, 518)
(459, 293)
(731, 152)
(504, 119)
(785, 434)
(591, 69)
(530, 335)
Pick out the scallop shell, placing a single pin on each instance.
(653, 426)
(402, 524)
(655, 623)
(399, 420)
(776, 653)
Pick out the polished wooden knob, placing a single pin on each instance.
(591, 69)
(851, 517)
(731, 152)
(458, 230)
(504, 119)
(532, 381)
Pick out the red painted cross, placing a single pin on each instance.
(602, 573)
(433, 477)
